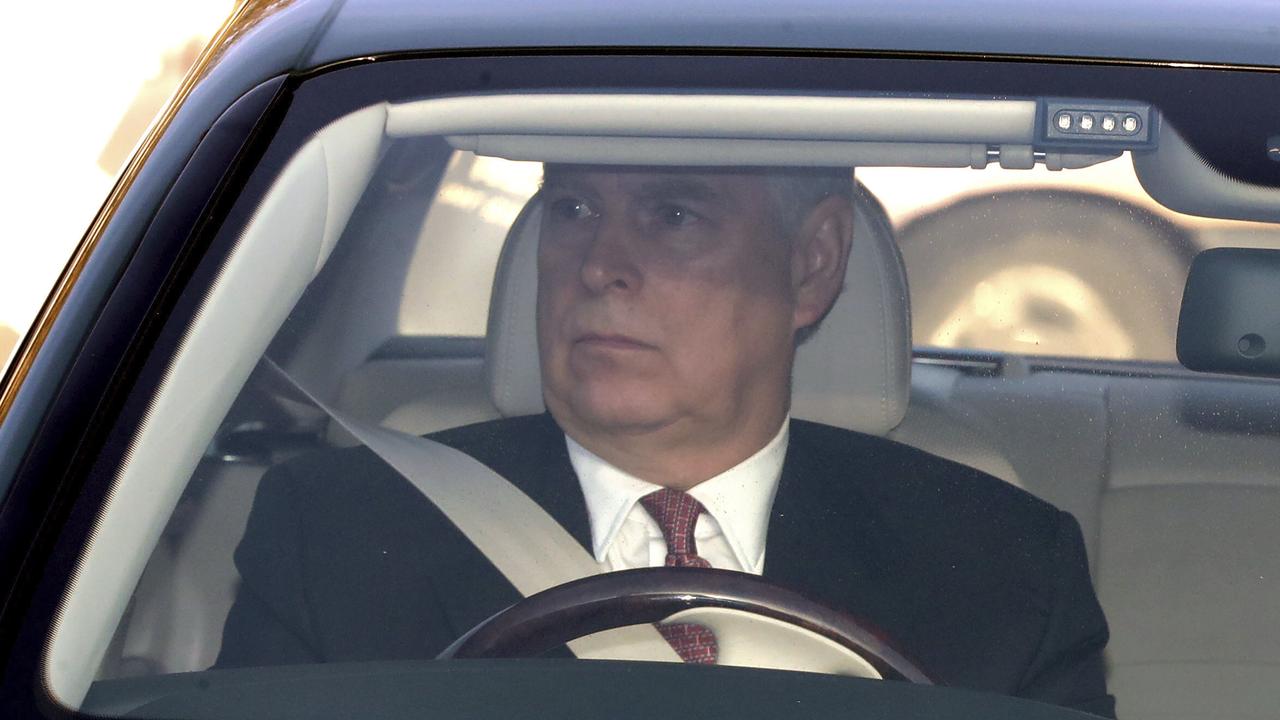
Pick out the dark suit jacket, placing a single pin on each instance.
(984, 585)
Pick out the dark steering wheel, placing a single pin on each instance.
(633, 597)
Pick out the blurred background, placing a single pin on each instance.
(83, 80)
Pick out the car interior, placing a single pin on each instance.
(1171, 473)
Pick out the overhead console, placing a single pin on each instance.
(689, 130)
(861, 131)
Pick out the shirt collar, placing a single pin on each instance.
(740, 498)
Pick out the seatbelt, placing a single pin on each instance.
(531, 550)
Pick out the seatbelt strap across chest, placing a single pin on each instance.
(531, 550)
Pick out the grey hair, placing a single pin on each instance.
(796, 191)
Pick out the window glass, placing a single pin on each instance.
(1079, 263)
(987, 452)
(1011, 261)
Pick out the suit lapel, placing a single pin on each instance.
(825, 540)
(554, 486)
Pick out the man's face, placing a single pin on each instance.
(665, 300)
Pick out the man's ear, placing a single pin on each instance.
(819, 254)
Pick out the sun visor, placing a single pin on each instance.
(1230, 319)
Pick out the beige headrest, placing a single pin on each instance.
(854, 372)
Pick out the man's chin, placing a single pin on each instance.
(615, 415)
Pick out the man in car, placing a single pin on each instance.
(670, 303)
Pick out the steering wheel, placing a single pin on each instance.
(633, 597)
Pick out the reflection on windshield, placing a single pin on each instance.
(1041, 308)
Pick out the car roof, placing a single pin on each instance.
(1238, 32)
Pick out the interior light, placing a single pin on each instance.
(1094, 125)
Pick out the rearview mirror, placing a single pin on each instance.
(1230, 319)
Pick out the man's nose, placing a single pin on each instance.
(610, 263)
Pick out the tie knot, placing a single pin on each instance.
(676, 513)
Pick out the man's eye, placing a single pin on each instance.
(676, 215)
(571, 209)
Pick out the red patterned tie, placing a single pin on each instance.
(677, 512)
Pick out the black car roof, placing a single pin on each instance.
(1245, 32)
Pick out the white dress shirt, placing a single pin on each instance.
(730, 534)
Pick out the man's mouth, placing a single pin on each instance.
(611, 341)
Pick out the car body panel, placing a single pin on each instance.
(1146, 31)
(261, 41)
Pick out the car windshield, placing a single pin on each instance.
(968, 385)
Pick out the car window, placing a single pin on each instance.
(958, 420)
(962, 233)
(462, 234)
(1019, 261)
